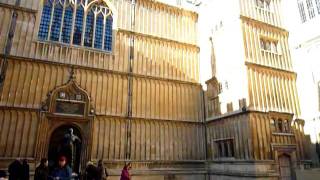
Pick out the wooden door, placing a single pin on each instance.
(285, 168)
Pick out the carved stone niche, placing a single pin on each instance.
(68, 100)
(67, 106)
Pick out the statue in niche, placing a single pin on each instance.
(70, 146)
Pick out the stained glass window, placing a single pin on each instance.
(91, 25)
(99, 32)
(67, 25)
(45, 21)
(56, 22)
(89, 29)
(108, 34)
(78, 26)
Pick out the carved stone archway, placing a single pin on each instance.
(66, 105)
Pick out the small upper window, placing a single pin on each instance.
(264, 4)
(279, 126)
(77, 22)
(269, 45)
(225, 148)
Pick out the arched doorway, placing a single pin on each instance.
(58, 147)
(285, 167)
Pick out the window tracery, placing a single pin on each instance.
(79, 22)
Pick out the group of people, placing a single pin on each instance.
(17, 170)
(20, 171)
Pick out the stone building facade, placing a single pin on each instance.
(253, 120)
(124, 74)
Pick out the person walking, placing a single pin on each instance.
(91, 171)
(101, 171)
(25, 170)
(125, 172)
(42, 171)
(63, 171)
(15, 170)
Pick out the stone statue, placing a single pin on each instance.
(70, 145)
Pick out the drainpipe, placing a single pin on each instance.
(130, 82)
(8, 45)
(205, 131)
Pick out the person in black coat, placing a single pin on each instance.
(91, 171)
(25, 170)
(42, 171)
(102, 173)
(15, 170)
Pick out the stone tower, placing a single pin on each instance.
(252, 101)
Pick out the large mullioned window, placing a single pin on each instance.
(77, 22)
(310, 9)
(302, 11)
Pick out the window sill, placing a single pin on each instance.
(264, 10)
(282, 134)
(73, 46)
(270, 52)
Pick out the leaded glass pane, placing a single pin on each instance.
(108, 34)
(56, 23)
(45, 21)
(67, 25)
(78, 26)
(89, 30)
(99, 32)
(318, 6)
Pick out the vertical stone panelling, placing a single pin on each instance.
(108, 92)
(34, 4)
(235, 127)
(153, 57)
(27, 83)
(163, 140)
(11, 2)
(166, 100)
(253, 32)
(109, 138)
(272, 90)
(17, 137)
(250, 9)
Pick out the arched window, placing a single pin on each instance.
(78, 22)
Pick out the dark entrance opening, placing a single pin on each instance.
(57, 147)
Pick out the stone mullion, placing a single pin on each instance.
(73, 21)
(62, 20)
(84, 24)
(51, 18)
(94, 29)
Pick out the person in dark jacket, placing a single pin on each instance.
(91, 171)
(102, 173)
(42, 171)
(25, 170)
(15, 170)
(63, 172)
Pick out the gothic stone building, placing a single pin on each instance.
(124, 75)
(253, 108)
